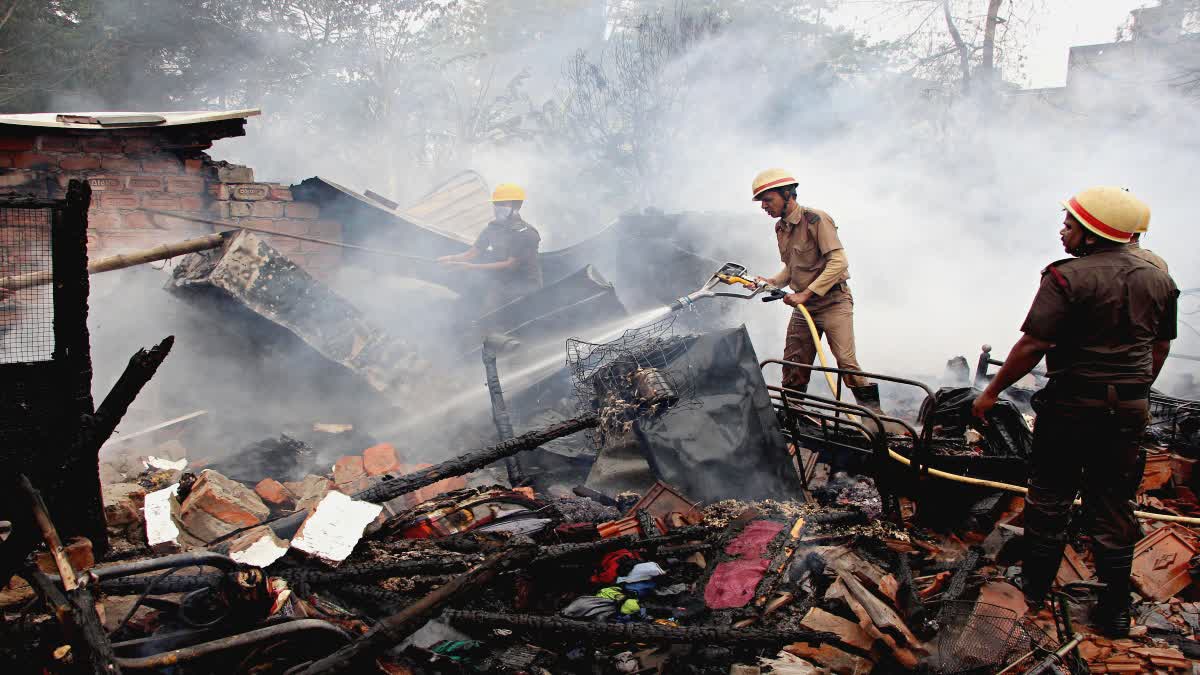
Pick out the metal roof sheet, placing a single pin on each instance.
(101, 121)
(461, 206)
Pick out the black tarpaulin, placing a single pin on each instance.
(726, 443)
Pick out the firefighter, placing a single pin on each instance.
(1135, 245)
(1104, 320)
(504, 258)
(816, 269)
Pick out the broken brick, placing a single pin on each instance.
(309, 492)
(258, 546)
(273, 492)
(79, 554)
(122, 503)
(217, 506)
(349, 475)
(381, 459)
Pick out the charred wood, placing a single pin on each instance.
(397, 486)
(392, 630)
(639, 632)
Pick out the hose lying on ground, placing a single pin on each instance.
(967, 480)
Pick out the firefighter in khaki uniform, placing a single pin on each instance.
(1104, 320)
(815, 266)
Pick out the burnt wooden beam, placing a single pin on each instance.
(391, 631)
(76, 608)
(142, 367)
(391, 487)
(638, 632)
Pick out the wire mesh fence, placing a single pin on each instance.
(642, 373)
(26, 309)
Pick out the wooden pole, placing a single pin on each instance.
(120, 261)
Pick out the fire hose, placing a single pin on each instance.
(967, 480)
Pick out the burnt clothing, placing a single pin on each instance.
(511, 238)
(833, 315)
(1087, 447)
(810, 249)
(1103, 313)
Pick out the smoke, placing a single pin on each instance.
(948, 206)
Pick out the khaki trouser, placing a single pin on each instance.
(834, 316)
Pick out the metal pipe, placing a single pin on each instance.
(251, 638)
(492, 345)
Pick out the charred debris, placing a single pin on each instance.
(655, 506)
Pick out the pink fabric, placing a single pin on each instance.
(732, 584)
(753, 541)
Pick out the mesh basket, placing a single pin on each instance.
(26, 306)
(628, 378)
(978, 637)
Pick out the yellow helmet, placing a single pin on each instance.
(1110, 212)
(771, 178)
(508, 192)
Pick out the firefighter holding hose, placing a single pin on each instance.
(505, 255)
(816, 269)
(1104, 320)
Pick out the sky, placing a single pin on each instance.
(1059, 25)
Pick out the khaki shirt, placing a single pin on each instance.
(1103, 313)
(809, 246)
(1149, 256)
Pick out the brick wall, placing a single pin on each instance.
(135, 169)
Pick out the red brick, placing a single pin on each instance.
(16, 142)
(380, 459)
(93, 240)
(103, 183)
(219, 209)
(80, 163)
(280, 193)
(239, 209)
(140, 220)
(302, 210)
(104, 220)
(219, 191)
(288, 247)
(185, 184)
(193, 167)
(160, 202)
(266, 209)
(217, 506)
(140, 145)
(283, 226)
(123, 164)
(273, 492)
(349, 475)
(131, 240)
(33, 160)
(118, 200)
(190, 203)
(431, 491)
(145, 184)
(59, 143)
(249, 192)
(102, 144)
(79, 555)
(326, 229)
(161, 165)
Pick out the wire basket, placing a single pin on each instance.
(977, 637)
(642, 373)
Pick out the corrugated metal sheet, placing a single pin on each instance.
(100, 121)
(460, 207)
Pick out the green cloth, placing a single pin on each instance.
(613, 593)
